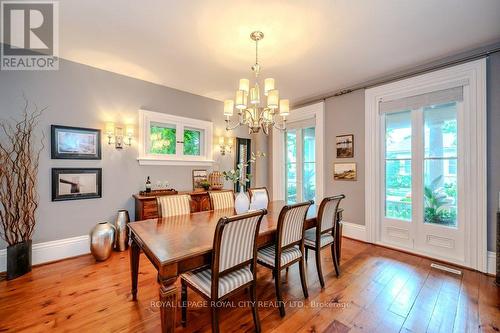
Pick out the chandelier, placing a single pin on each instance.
(249, 101)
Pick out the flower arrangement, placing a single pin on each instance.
(237, 175)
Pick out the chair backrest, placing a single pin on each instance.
(259, 197)
(173, 205)
(327, 213)
(221, 199)
(235, 244)
(291, 224)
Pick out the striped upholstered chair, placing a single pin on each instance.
(325, 233)
(289, 248)
(233, 267)
(173, 205)
(221, 199)
(259, 197)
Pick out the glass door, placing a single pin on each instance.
(422, 172)
(300, 163)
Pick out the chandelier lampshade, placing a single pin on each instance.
(256, 110)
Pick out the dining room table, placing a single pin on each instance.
(178, 244)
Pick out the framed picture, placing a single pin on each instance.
(345, 146)
(199, 176)
(76, 183)
(345, 171)
(76, 143)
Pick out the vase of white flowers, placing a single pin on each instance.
(238, 175)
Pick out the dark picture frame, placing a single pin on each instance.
(344, 146)
(199, 176)
(76, 143)
(76, 183)
(243, 155)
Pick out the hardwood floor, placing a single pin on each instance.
(379, 290)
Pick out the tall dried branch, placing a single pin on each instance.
(19, 161)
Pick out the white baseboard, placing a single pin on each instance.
(353, 230)
(492, 263)
(53, 250)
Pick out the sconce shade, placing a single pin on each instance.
(245, 85)
(273, 99)
(221, 140)
(129, 131)
(284, 107)
(228, 107)
(268, 85)
(110, 128)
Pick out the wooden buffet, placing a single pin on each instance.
(146, 208)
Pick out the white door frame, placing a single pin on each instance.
(474, 74)
(314, 111)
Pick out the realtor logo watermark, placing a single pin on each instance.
(29, 35)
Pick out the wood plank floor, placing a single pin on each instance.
(380, 290)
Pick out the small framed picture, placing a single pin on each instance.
(199, 177)
(76, 183)
(345, 146)
(345, 171)
(76, 143)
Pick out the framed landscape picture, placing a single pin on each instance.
(75, 143)
(199, 176)
(76, 183)
(345, 146)
(344, 171)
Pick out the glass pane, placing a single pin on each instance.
(398, 189)
(192, 142)
(291, 183)
(441, 130)
(291, 146)
(309, 144)
(163, 139)
(309, 181)
(440, 192)
(398, 135)
(440, 167)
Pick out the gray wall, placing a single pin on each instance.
(346, 115)
(493, 85)
(78, 95)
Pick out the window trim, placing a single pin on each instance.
(474, 149)
(146, 117)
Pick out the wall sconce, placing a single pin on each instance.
(116, 135)
(225, 145)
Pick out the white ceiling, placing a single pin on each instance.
(310, 47)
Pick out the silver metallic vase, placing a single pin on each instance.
(102, 240)
(121, 230)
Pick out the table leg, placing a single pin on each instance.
(135, 252)
(168, 301)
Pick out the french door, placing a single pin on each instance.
(300, 162)
(424, 180)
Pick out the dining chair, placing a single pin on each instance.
(259, 197)
(324, 233)
(173, 205)
(289, 247)
(233, 268)
(221, 199)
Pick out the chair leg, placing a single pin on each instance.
(215, 319)
(277, 282)
(183, 304)
(307, 253)
(303, 278)
(255, 310)
(318, 267)
(335, 259)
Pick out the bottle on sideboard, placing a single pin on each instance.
(148, 185)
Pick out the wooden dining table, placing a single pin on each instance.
(178, 244)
